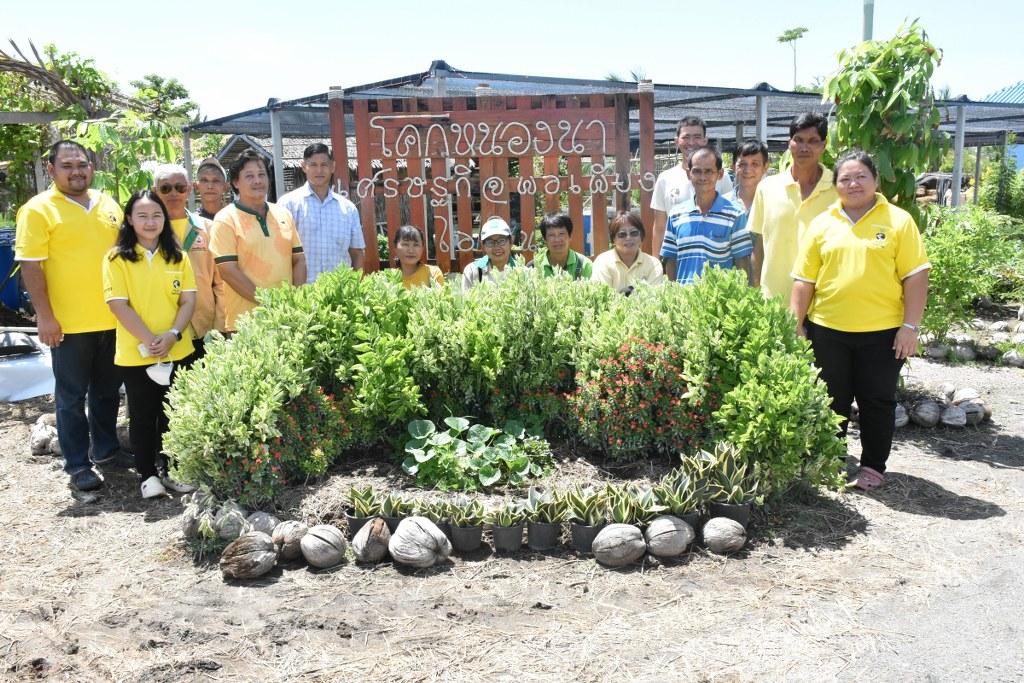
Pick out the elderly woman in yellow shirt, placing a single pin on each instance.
(626, 264)
(861, 282)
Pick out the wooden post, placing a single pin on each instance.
(339, 140)
(278, 145)
(367, 205)
(958, 153)
(646, 163)
(622, 158)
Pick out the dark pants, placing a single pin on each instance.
(147, 420)
(200, 350)
(861, 365)
(84, 374)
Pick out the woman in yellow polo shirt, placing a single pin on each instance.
(626, 264)
(151, 290)
(861, 282)
(409, 249)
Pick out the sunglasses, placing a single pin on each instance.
(626, 234)
(180, 188)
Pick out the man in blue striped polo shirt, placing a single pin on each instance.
(706, 230)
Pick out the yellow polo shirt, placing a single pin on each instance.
(610, 269)
(262, 248)
(194, 237)
(780, 216)
(858, 268)
(70, 241)
(152, 286)
(424, 276)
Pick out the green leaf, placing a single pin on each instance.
(410, 467)
(489, 475)
(441, 439)
(515, 428)
(459, 424)
(480, 433)
(421, 429)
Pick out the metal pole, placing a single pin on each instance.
(275, 134)
(869, 18)
(187, 144)
(977, 173)
(958, 153)
(762, 119)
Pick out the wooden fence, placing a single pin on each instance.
(445, 159)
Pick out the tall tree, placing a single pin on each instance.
(791, 36)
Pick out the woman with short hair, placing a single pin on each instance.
(626, 263)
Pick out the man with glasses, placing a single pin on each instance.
(328, 223)
(63, 235)
(210, 186)
(673, 185)
(494, 265)
(786, 203)
(707, 230)
(170, 183)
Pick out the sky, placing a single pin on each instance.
(234, 56)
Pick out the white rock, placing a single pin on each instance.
(926, 413)
(954, 416)
(979, 324)
(965, 394)
(1020, 313)
(1000, 326)
(961, 339)
(999, 337)
(902, 418)
(947, 389)
(1014, 358)
(262, 521)
(964, 352)
(936, 351)
(974, 412)
(1017, 338)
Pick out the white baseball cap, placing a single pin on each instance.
(494, 226)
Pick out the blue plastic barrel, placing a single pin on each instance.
(9, 295)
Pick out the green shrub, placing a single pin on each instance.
(973, 252)
(638, 401)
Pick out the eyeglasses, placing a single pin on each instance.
(625, 234)
(692, 138)
(496, 242)
(860, 179)
(180, 188)
(703, 171)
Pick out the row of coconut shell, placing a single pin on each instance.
(958, 407)
(618, 545)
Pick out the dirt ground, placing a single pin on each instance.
(918, 582)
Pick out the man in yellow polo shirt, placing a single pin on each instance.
(170, 182)
(254, 243)
(786, 203)
(62, 237)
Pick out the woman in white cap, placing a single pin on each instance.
(496, 241)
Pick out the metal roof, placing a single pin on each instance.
(1011, 94)
(721, 108)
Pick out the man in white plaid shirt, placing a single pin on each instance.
(328, 223)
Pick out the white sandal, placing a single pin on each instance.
(151, 488)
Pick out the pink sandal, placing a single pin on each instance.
(869, 479)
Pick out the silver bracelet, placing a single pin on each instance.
(910, 327)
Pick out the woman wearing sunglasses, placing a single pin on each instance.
(625, 265)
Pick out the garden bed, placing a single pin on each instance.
(917, 579)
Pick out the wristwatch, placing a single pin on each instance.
(177, 333)
(906, 325)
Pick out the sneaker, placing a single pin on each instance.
(151, 488)
(116, 458)
(86, 480)
(176, 486)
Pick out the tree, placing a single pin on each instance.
(885, 104)
(123, 131)
(791, 36)
(635, 75)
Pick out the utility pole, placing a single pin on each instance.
(869, 18)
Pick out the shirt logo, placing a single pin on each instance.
(880, 236)
(175, 286)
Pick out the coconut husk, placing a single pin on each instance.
(249, 556)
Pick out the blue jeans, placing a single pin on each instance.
(83, 367)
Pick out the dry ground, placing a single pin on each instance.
(919, 582)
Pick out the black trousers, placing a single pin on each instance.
(147, 420)
(862, 366)
(200, 350)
